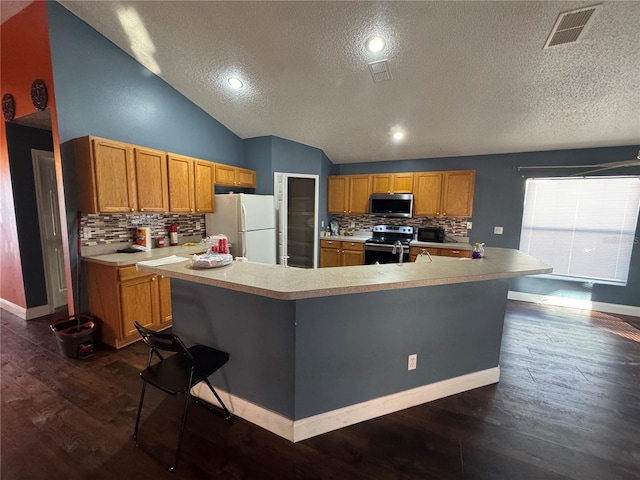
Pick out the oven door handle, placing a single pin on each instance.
(382, 248)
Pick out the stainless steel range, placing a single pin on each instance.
(389, 244)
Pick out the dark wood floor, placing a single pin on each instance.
(567, 407)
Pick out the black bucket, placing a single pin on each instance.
(74, 335)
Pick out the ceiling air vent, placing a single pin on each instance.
(570, 26)
(380, 71)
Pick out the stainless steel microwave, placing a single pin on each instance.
(395, 205)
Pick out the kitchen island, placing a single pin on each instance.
(316, 350)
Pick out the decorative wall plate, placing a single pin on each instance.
(39, 95)
(8, 107)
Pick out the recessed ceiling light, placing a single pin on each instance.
(375, 44)
(397, 134)
(235, 82)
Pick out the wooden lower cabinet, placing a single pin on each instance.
(334, 253)
(444, 252)
(119, 296)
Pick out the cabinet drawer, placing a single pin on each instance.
(358, 246)
(130, 273)
(450, 252)
(419, 250)
(329, 244)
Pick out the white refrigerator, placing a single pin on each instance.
(249, 222)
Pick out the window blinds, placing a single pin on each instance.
(582, 227)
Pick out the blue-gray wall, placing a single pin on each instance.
(20, 141)
(100, 90)
(499, 198)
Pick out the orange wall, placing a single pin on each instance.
(25, 56)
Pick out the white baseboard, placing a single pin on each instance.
(302, 429)
(25, 313)
(575, 303)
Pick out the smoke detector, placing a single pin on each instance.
(570, 26)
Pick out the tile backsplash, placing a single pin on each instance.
(454, 226)
(104, 229)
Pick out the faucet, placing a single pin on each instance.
(396, 246)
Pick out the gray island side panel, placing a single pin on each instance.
(305, 357)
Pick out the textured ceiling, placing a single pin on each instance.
(468, 78)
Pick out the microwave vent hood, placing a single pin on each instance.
(398, 205)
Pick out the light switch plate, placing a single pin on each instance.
(469, 225)
(497, 230)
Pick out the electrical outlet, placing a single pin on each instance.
(322, 224)
(86, 233)
(197, 225)
(352, 224)
(497, 230)
(413, 361)
(469, 225)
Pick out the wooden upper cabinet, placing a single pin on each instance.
(181, 184)
(150, 168)
(245, 177)
(225, 174)
(457, 193)
(392, 183)
(105, 175)
(443, 194)
(204, 180)
(235, 176)
(427, 193)
(359, 193)
(348, 194)
(191, 183)
(337, 194)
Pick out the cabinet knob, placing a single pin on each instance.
(197, 209)
(153, 278)
(161, 276)
(142, 209)
(132, 209)
(455, 251)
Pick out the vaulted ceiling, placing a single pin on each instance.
(466, 78)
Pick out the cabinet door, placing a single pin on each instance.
(330, 257)
(114, 176)
(402, 183)
(359, 193)
(225, 174)
(427, 189)
(245, 178)
(352, 257)
(150, 168)
(203, 185)
(139, 300)
(457, 193)
(382, 183)
(181, 188)
(337, 194)
(164, 292)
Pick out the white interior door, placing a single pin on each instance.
(280, 197)
(50, 231)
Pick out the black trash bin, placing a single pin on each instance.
(74, 335)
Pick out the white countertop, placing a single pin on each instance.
(126, 259)
(276, 281)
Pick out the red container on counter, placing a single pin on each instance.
(223, 246)
(160, 242)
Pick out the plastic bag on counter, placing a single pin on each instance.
(216, 243)
(211, 260)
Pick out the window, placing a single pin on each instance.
(582, 227)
